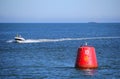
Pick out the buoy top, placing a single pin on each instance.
(86, 45)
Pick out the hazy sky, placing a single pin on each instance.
(59, 10)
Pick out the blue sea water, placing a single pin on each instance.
(50, 49)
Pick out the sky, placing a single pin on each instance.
(59, 11)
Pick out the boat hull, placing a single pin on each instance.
(19, 39)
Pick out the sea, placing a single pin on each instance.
(50, 49)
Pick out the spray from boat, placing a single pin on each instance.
(20, 39)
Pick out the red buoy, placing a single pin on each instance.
(86, 58)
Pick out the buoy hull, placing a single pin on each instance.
(86, 58)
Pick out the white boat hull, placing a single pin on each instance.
(19, 39)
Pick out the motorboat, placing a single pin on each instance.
(19, 39)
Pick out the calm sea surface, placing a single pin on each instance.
(50, 49)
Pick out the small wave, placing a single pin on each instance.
(61, 39)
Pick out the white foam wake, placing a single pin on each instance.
(61, 39)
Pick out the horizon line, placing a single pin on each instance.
(60, 22)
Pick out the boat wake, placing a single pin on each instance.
(61, 39)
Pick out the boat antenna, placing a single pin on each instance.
(17, 35)
(85, 43)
